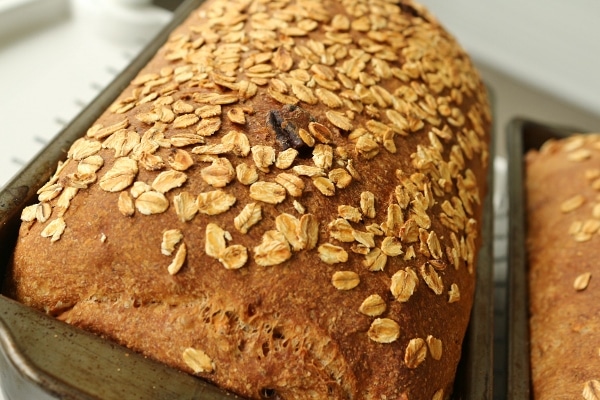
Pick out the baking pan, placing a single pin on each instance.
(522, 135)
(43, 358)
(475, 375)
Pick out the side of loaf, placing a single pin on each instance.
(286, 201)
(563, 221)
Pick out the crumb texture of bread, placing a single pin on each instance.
(563, 216)
(286, 201)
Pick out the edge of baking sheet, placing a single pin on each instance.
(522, 135)
(475, 375)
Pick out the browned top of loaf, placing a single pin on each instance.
(563, 214)
(285, 201)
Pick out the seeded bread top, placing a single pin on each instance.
(345, 141)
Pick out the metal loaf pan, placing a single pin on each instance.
(522, 136)
(42, 358)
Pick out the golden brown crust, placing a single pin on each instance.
(563, 215)
(342, 267)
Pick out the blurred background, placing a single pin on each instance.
(539, 59)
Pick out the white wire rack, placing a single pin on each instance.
(55, 57)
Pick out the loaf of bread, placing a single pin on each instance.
(286, 201)
(563, 216)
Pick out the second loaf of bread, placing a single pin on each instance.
(286, 201)
(563, 216)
